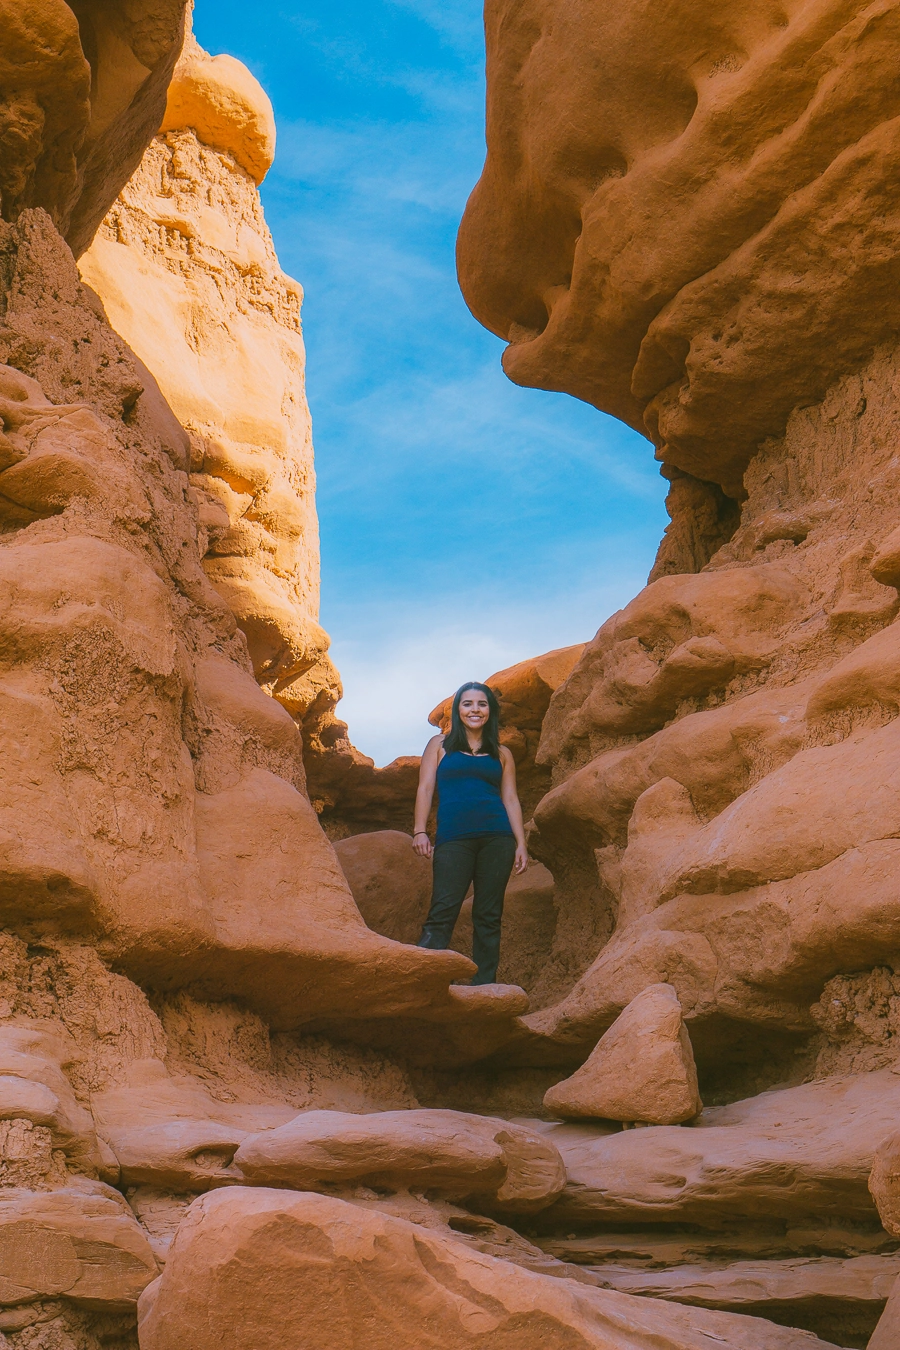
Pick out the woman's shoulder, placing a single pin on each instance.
(436, 744)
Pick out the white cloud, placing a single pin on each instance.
(404, 659)
(390, 688)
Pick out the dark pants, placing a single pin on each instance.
(486, 861)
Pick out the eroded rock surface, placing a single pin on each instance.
(191, 1002)
(337, 1273)
(886, 1334)
(503, 1166)
(187, 271)
(677, 215)
(84, 90)
(841, 1300)
(799, 1152)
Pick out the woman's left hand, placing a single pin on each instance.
(521, 859)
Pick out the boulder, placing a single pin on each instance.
(391, 884)
(81, 1242)
(265, 1268)
(642, 1069)
(884, 1183)
(448, 1153)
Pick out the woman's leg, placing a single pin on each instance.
(496, 855)
(453, 867)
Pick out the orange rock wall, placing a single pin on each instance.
(681, 208)
(187, 271)
(684, 219)
(203, 1045)
(84, 89)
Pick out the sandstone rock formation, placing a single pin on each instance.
(339, 1274)
(152, 815)
(846, 1294)
(489, 1162)
(642, 1069)
(698, 261)
(795, 1153)
(679, 222)
(688, 219)
(84, 89)
(187, 272)
(112, 627)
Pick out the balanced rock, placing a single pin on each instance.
(267, 1269)
(227, 107)
(641, 1070)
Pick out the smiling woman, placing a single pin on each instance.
(480, 833)
(427, 456)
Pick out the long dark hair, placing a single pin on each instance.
(456, 738)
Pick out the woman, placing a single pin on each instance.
(479, 834)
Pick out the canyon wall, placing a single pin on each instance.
(186, 269)
(690, 220)
(236, 1104)
(180, 952)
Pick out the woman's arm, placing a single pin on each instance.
(425, 796)
(510, 798)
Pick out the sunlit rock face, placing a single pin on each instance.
(83, 90)
(688, 215)
(686, 218)
(187, 271)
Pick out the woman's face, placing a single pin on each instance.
(474, 709)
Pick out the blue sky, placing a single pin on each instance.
(466, 523)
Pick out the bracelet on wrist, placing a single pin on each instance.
(418, 832)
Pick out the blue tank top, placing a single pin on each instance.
(469, 801)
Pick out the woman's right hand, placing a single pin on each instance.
(422, 844)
